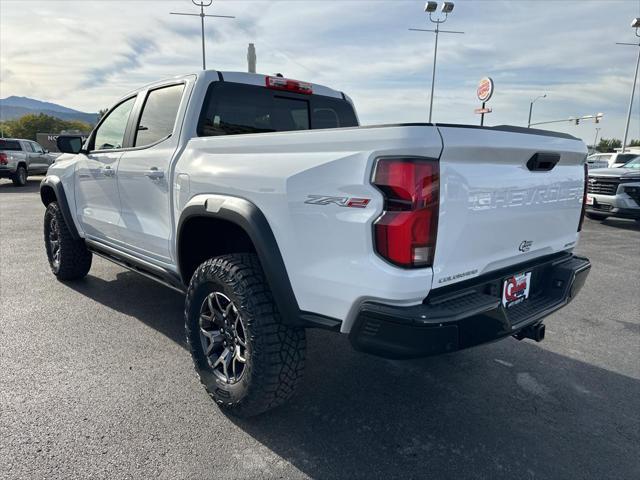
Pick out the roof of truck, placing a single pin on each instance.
(258, 79)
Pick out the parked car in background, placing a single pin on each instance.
(20, 158)
(610, 160)
(614, 192)
(598, 161)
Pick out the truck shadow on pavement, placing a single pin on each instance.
(622, 224)
(154, 305)
(32, 186)
(506, 410)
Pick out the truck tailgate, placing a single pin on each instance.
(500, 205)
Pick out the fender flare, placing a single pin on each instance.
(250, 218)
(55, 184)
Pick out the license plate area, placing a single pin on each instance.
(516, 289)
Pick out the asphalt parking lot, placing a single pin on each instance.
(95, 382)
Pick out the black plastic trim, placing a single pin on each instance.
(513, 129)
(220, 77)
(250, 218)
(146, 269)
(469, 314)
(56, 185)
(543, 161)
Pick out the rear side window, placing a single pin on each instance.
(627, 157)
(233, 108)
(159, 115)
(12, 145)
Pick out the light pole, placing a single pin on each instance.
(430, 8)
(202, 4)
(531, 108)
(635, 24)
(595, 140)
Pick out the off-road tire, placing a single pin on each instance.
(19, 178)
(596, 216)
(74, 261)
(275, 352)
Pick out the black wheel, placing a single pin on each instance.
(20, 177)
(69, 258)
(247, 359)
(596, 216)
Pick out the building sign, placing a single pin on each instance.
(48, 140)
(485, 89)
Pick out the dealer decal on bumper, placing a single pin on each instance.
(516, 289)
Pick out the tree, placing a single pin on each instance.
(609, 144)
(101, 113)
(635, 143)
(29, 125)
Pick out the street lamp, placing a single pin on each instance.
(634, 24)
(595, 140)
(430, 8)
(531, 107)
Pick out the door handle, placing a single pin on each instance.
(154, 174)
(107, 171)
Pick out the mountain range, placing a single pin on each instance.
(15, 107)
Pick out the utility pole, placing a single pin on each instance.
(531, 107)
(202, 4)
(430, 7)
(635, 24)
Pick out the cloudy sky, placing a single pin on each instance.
(86, 54)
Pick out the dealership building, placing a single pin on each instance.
(48, 140)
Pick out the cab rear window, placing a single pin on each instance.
(234, 108)
(10, 145)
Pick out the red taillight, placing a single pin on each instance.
(3, 159)
(286, 84)
(405, 233)
(584, 197)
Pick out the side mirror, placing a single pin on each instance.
(46, 151)
(69, 144)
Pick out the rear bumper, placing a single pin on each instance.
(7, 171)
(468, 314)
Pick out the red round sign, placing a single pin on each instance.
(485, 89)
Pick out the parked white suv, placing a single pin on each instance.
(609, 160)
(263, 200)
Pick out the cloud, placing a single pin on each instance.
(137, 48)
(88, 56)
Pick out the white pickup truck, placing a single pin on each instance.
(263, 200)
